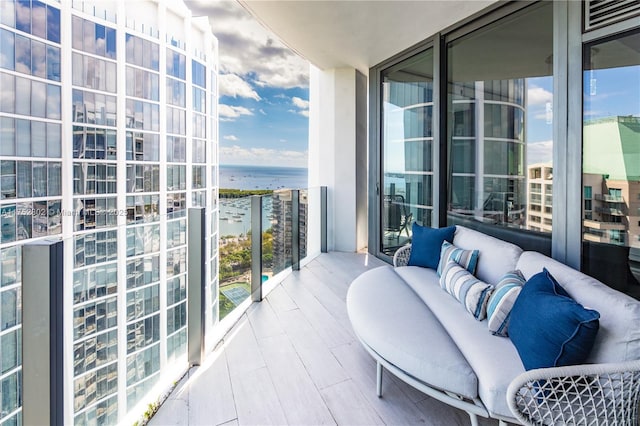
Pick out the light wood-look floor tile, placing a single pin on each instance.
(294, 359)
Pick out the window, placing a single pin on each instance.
(198, 74)
(407, 145)
(491, 156)
(176, 64)
(611, 126)
(142, 52)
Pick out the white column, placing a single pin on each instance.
(338, 153)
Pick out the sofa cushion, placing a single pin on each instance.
(494, 359)
(389, 318)
(426, 244)
(497, 257)
(618, 338)
(501, 301)
(549, 328)
(468, 259)
(467, 289)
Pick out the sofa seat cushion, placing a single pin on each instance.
(618, 337)
(494, 359)
(388, 317)
(496, 258)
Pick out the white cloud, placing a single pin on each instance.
(538, 96)
(230, 112)
(247, 49)
(234, 86)
(539, 152)
(230, 138)
(262, 111)
(302, 105)
(264, 156)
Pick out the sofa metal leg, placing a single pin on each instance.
(379, 379)
(474, 419)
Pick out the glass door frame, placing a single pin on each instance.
(376, 139)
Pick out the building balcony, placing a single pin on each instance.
(610, 211)
(604, 226)
(609, 198)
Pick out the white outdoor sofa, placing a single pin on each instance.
(421, 334)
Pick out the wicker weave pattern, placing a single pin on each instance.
(589, 394)
(401, 258)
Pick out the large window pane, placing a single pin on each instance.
(611, 162)
(407, 140)
(500, 89)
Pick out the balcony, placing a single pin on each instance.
(604, 226)
(610, 211)
(294, 359)
(609, 198)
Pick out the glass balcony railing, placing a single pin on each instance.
(261, 239)
(264, 235)
(610, 198)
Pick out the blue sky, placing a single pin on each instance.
(264, 90)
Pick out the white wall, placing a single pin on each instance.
(337, 153)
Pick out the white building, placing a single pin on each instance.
(108, 135)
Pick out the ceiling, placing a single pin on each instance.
(358, 34)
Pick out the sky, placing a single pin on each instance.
(264, 91)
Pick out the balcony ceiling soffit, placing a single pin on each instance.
(358, 34)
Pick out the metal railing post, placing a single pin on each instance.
(196, 285)
(323, 219)
(42, 333)
(295, 229)
(256, 248)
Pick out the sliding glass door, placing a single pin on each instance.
(407, 149)
(500, 113)
(611, 161)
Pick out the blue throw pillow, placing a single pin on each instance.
(426, 243)
(548, 327)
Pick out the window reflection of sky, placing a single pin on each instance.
(611, 92)
(539, 134)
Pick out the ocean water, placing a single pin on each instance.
(262, 177)
(235, 213)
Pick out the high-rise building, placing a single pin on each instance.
(108, 133)
(488, 118)
(282, 228)
(540, 197)
(611, 181)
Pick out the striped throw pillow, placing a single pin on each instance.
(468, 259)
(470, 291)
(501, 302)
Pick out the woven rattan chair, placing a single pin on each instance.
(588, 394)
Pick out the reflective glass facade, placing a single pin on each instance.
(408, 148)
(30, 166)
(108, 152)
(611, 161)
(526, 145)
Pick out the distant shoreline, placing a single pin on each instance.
(223, 166)
(239, 193)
